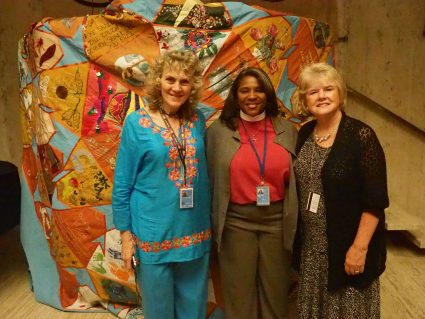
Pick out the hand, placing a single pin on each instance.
(128, 248)
(355, 260)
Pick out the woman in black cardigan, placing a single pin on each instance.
(342, 183)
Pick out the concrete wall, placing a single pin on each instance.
(386, 43)
(404, 147)
(385, 64)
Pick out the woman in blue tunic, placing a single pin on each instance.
(161, 200)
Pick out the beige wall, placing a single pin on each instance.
(382, 57)
(385, 63)
(404, 148)
(386, 43)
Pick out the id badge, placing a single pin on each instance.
(313, 202)
(263, 195)
(186, 197)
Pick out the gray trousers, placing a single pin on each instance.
(254, 266)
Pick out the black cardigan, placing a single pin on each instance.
(354, 181)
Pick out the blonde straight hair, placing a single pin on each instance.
(323, 71)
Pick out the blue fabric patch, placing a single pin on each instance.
(295, 22)
(289, 51)
(43, 270)
(330, 58)
(242, 13)
(34, 146)
(107, 211)
(64, 140)
(83, 277)
(218, 313)
(73, 49)
(286, 89)
(45, 28)
(45, 108)
(56, 203)
(60, 175)
(101, 241)
(37, 197)
(206, 110)
(147, 9)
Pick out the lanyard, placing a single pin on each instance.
(179, 144)
(262, 164)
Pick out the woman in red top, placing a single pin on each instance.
(250, 151)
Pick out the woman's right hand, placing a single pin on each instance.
(128, 248)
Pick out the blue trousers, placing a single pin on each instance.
(177, 290)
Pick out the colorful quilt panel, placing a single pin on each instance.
(79, 79)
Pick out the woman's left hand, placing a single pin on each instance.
(355, 260)
(128, 248)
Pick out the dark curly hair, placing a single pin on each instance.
(231, 109)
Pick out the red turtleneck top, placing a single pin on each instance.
(245, 169)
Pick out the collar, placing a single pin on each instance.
(256, 118)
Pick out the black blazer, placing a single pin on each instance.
(354, 181)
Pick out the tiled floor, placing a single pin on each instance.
(402, 284)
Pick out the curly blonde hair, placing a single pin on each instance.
(322, 70)
(185, 61)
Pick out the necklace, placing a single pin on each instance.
(253, 137)
(167, 113)
(323, 138)
(252, 119)
(252, 129)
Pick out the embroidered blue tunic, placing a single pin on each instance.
(145, 198)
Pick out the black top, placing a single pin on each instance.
(10, 196)
(354, 180)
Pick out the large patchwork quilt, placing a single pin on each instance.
(79, 78)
